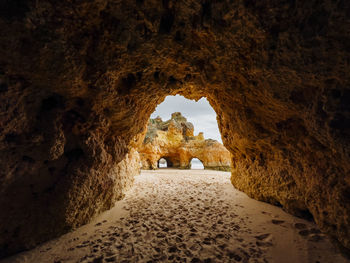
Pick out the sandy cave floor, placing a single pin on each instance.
(189, 216)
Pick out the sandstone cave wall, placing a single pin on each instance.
(78, 81)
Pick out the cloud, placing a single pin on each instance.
(200, 113)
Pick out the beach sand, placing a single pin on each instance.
(189, 216)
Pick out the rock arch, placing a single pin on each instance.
(168, 162)
(162, 163)
(174, 139)
(191, 164)
(79, 80)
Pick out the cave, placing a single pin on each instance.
(164, 162)
(80, 79)
(196, 164)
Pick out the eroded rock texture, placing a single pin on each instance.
(79, 79)
(174, 141)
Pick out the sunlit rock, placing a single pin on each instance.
(174, 141)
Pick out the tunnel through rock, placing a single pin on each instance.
(165, 162)
(79, 80)
(162, 163)
(197, 164)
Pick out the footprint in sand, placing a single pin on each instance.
(300, 226)
(263, 236)
(194, 247)
(277, 222)
(313, 234)
(315, 231)
(265, 213)
(207, 241)
(234, 255)
(98, 259)
(264, 240)
(315, 238)
(219, 236)
(81, 246)
(111, 259)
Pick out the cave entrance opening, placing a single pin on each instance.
(190, 132)
(200, 113)
(162, 163)
(196, 164)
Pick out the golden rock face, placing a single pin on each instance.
(174, 140)
(78, 82)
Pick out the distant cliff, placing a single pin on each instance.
(174, 141)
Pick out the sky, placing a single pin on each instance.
(200, 113)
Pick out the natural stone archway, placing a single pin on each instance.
(79, 80)
(171, 161)
(200, 164)
(162, 163)
(174, 139)
(168, 161)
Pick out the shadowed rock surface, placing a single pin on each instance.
(79, 80)
(174, 141)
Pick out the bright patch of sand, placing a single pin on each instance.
(189, 216)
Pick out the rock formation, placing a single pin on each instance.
(174, 141)
(79, 80)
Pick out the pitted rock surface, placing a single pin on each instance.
(79, 80)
